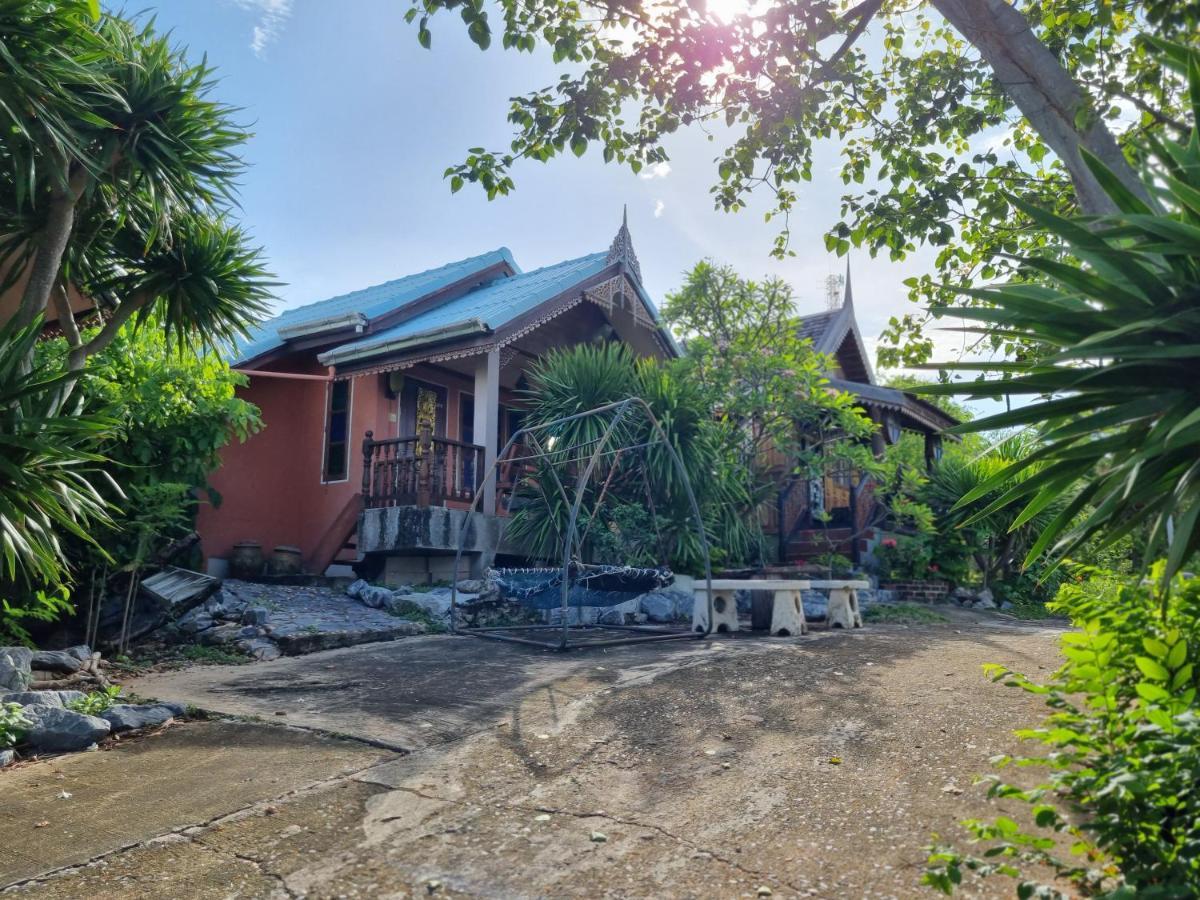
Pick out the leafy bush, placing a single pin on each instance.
(1123, 751)
(905, 557)
(96, 702)
(839, 566)
(39, 606)
(12, 724)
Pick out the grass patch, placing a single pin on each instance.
(414, 613)
(902, 614)
(1032, 610)
(213, 656)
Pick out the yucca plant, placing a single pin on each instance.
(47, 469)
(588, 376)
(1115, 390)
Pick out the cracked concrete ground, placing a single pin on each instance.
(816, 766)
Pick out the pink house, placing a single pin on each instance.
(385, 407)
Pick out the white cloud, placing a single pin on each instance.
(658, 170)
(659, 206)
(272, 17)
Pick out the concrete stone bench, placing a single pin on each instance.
(843, 602)
(787, 616)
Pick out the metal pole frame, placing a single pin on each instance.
(571, 542)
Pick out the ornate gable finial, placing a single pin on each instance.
(847, 294)
(622, 247)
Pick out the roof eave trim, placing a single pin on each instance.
(464, 328)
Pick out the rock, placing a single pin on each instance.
(42, 698)
(611, 616)
(374, 597)
(127, 717)
(248, 631)
(55, 730)
(986, 595)
(15, 668)
(222, 634)
(196, 621)
(355, 588)
(255, 615)
(6, 758)
(82, 653)
(1006, 605)
(598, 837)
(260, 649)
(55, 661)
(984, 602)
(659, 606)
(178, 710)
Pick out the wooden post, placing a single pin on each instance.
(368, 449)
(425, 461)
(933, 450)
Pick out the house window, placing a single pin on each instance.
(337, 432)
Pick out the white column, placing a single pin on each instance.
(487, 420)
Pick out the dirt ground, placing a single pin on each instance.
(817, 766)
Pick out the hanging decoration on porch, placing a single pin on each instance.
(547, 462)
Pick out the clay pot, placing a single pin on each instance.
(286, 561)
(247, 559)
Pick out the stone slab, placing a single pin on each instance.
(140, 789)
(410, 694)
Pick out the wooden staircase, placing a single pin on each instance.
(340, 542)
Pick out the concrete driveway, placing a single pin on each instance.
(816, 766)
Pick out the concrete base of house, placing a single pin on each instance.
(419, 543)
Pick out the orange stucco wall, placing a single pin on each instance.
(271, 486)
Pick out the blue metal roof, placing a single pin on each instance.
(493, 305)
(370, 302)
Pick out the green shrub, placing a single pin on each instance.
(12, 724)
(905, 558)
(1123, 752)
(38, 606)
(96, 702)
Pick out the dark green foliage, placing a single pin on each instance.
(905, 557)
(1123, 751)
(1115, 400)
(35, 606)
(12, 724)
(971, 528)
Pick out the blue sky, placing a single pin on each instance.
(355, 123)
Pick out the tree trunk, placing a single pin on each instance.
(1044, 92)
(51, 241)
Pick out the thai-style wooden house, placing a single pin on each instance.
(385, 407)
(839, 513)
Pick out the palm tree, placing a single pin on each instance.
(117, 176)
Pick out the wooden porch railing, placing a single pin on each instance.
(421, 470)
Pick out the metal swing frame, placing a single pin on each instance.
(572, 543)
